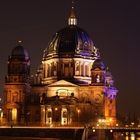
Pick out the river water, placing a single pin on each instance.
(30, 138)
(118, 136)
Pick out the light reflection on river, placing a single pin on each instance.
(127, 136)
(131, 138)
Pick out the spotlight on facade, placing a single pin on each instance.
(117, 124)
(1, 115)
(78, 111)
(98, 125)
(110, 119)
(132, 124)
(56, 109)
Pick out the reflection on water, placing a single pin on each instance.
(132, 136)
(127, 136)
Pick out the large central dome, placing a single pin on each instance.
(71, 40)
(69, 55)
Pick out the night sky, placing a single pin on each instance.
(114, 26)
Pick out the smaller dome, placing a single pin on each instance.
(98, 64)
(19, 51)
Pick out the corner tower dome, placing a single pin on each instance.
(19, 52)
(98, 64)
(18, 64)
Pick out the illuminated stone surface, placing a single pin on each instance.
(71, 87)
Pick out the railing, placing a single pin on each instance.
(72, 125)
(117, 128)
(39, 124)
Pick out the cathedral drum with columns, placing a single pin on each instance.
(71, 87)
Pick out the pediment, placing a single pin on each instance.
(62, 83)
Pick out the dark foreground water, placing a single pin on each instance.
(26, 138)
(119, 136)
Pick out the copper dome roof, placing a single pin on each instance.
(71, 40)
(98, 64)
(19, 52)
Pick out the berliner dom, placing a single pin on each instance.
(72, 85)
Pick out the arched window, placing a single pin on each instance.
(55, 69)
(52, 69)
(71, 69)
(45, 74)
(77, 68)
(66, 69)
(49, 70)
(49, 116)
(86, 70)
(98, 78)
(64, 115)
(82, 70)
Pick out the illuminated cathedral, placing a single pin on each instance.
(71, 87)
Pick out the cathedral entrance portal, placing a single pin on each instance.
(56, 115)
(64, 116)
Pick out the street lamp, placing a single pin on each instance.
(56, 109)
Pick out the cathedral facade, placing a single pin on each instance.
(71, 87)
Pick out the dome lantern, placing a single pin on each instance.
(72, 20)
